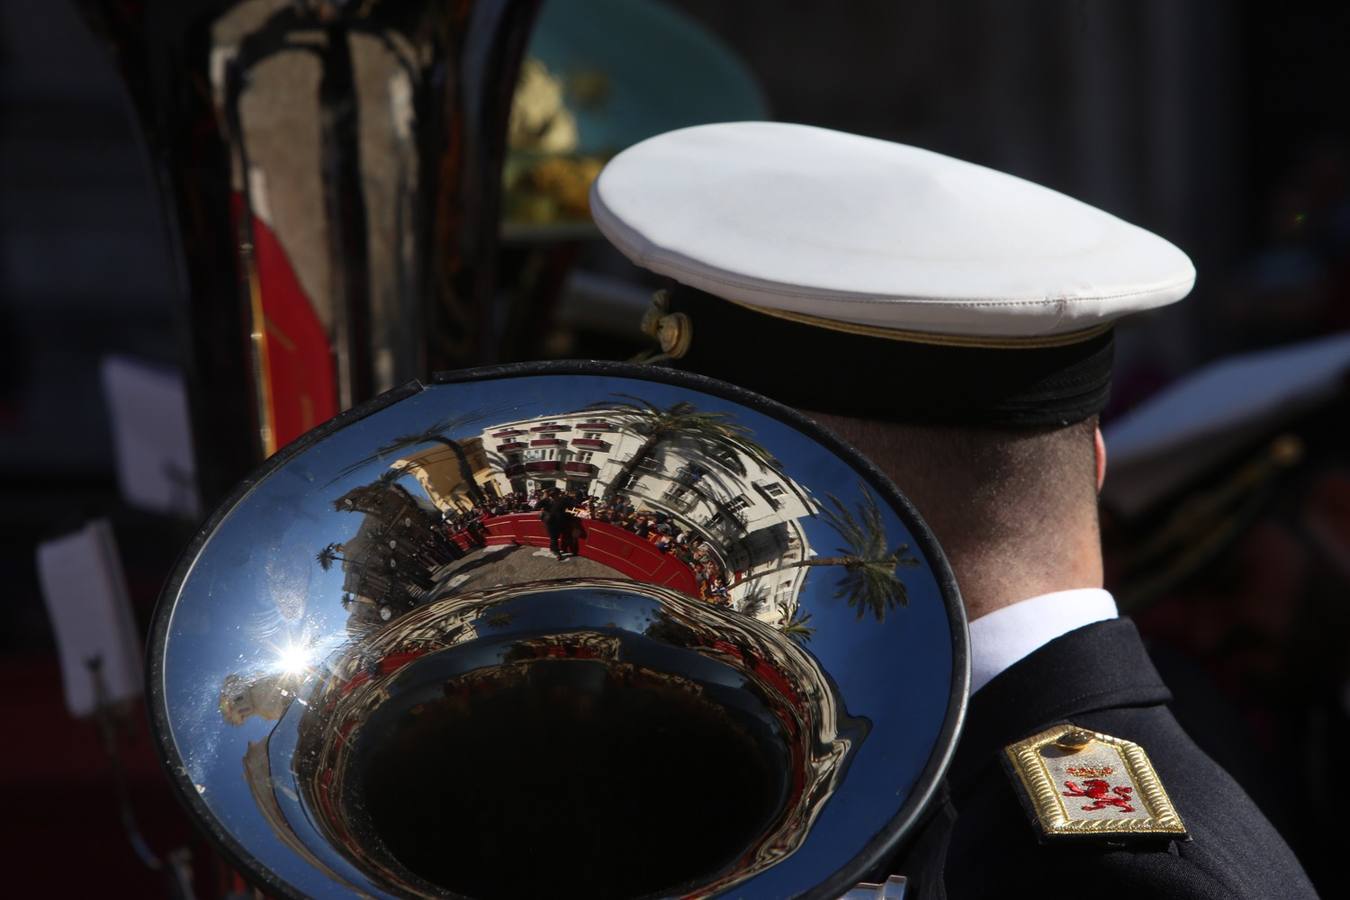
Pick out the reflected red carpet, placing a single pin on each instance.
(610, 545)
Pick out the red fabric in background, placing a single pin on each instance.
(300, 356)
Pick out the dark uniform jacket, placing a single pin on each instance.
(979, 841)
(555, 512)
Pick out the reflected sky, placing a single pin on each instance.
(256, 600)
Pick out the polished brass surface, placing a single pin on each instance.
(560, 631)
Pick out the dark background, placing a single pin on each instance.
(1221, 126)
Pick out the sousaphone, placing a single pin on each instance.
(567, 629)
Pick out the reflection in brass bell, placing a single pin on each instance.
(600, 611)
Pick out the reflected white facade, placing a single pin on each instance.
(265, 696)
(752, 520)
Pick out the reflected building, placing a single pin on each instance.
(745, 506)
(449, 471)
(388, 563)
(264, 696)
(742, 514)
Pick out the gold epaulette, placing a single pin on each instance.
(1082, 784)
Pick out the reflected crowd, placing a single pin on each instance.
(657, 528)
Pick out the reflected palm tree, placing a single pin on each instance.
(394, 593)
(754, 598)
(329, 555)
(713, 434)
(434, 434)
(793, 624)
(333, 553)
(870, 582)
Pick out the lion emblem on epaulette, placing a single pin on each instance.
(1100, 793)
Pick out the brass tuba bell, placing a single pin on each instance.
(561, 629)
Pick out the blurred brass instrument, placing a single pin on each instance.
(331, 175)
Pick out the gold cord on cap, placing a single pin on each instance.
(929, 337)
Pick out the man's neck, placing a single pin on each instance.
(991, 581)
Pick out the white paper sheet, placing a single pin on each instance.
(86, 594)
(152, 437)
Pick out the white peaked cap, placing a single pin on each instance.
(855, 232)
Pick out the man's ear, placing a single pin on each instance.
(1100, 448)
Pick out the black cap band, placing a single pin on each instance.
(900, 381)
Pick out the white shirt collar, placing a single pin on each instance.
(1004, 636)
